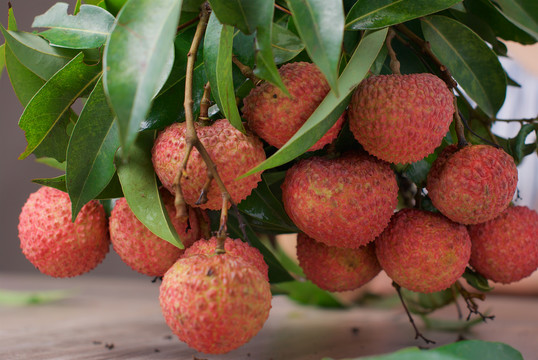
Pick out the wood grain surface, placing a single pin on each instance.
(114, 318)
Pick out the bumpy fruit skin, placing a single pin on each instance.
(214, 303)
(54, 244)
(505, 249)
(472, 185)
(233, 152)
(344, 202)
(234, 247)
(142, 250)
(401, 118)
(276, 118)
(336, 269)
(423, 251)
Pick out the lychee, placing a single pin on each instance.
(233, 152)
(336, 269)
(214, 303)
(235, 247)
(142, 250)
(401, 118)
(423, 251)
(275, 117)
(472, 185)
(53, 243)
(345, 201)
(505, 249)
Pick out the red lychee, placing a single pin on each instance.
(54, 244)
(336, 269)
(505, 249)
(233, 152)
(235, 247)
(275, 117)
(472, 185)
(401, 118)
(344, 202)
(214, 303)
(142, 250)
(423, 251)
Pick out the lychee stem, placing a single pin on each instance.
(187, 24)
(394, 63)
(418, 334)
(471, 304)
(205, 102)
(191, 138)
(460, 130)
(203, 194)
(282, 9)
(221, 234)
(205, 226)
(246, 71)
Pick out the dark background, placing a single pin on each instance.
(16, 175)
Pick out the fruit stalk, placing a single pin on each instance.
(204, 104)
(394, 63)
(192, 139)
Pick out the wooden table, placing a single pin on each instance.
(114, 318)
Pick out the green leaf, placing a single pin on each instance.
(420, 303)
(141, 190)
(138, 58)
(502, 27)
(306, 293)
(476, 280)
(42, 115)
(191, 5)
(286, 45)
(90, 154)
(114, 6)
(277, 273)
(523, 13)
(11, 21)
(375, 14)
(24, 82)
(332, 106)
(53, 163)
(253, 16)
(218, 44)
(517, 147)
(2, 58)
(263, 206)
(21, 298)
(320, 24)
(88, 29)
(57, 182)
(472, 63)
(36, 54)
(77, 7)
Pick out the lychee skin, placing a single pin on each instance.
(214, 303)
(235, 247)
(344, 202)
(336, 269)
(55, 245)
(142, 250)
(505, 249)
(275, 117)
(423, 251)
(233, 152)
(474, 184)
(401, 118)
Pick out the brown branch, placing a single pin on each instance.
(187, 24)
(522, 121)
(205, 190)
(246, 71)
(282, 9)
(394, 63)
(205, 102)
(191, 137)
(418, 334)
(426, 49)
(460, 129)
(472, 306)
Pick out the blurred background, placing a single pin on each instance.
(16, 175)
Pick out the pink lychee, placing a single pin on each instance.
(473, 184)
(505, 249)
(233, 152)
(336, 269)
(55, 245)
(401, 118)
(214, 303)
(275, 117)
(423, 251)
(142, 250)
(345, 201)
